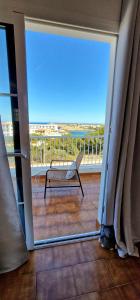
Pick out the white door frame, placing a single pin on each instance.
(107, 132)
(17, 20)
(85, 33)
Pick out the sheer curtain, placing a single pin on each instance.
(121, 222)
(13, 252)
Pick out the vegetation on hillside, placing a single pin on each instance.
(44, 150)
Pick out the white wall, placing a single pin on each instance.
(98, 14)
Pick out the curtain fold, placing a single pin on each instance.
(122, 201)
(13, 252)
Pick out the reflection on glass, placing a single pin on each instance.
(17, 190)
(13, 174)
(6, 119)
(4, 74)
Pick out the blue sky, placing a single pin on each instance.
(4, 77)
(5, 102)
(67, 78)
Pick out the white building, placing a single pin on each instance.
(44, 128)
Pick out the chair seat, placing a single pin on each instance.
(57, 175)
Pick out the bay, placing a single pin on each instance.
(79, 133)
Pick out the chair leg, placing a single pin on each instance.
(45, 186)
(80, 183)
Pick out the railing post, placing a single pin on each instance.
(44, 152)
(39, 154)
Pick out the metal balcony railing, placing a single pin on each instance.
(44, 149)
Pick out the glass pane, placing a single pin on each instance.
(4, 74)
(17, 191)
(13, 174)
(7, 125)
(6, 119)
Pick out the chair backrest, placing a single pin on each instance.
(76, 164)
(79, 159)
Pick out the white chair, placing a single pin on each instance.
(69, 174)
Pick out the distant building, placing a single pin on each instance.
(44, 129)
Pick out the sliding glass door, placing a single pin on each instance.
(14, 114)
(9, 112)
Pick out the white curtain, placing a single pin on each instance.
(13, 252)
(122, 201)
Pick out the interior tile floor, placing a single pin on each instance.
(65, 211)
(78, 271)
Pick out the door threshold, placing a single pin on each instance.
(67, 239)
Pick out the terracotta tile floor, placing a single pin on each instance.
(65, 211)
(80, 271)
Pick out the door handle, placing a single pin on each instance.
(17, 154)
